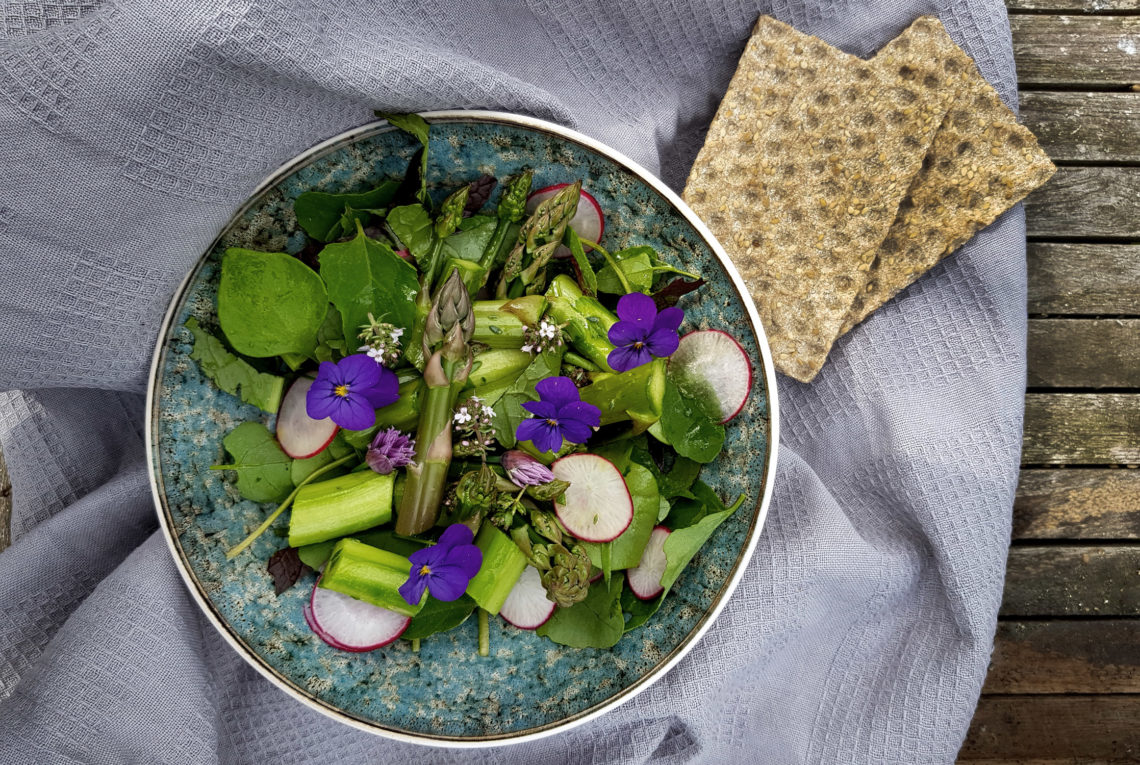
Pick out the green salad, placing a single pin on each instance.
(479, 410)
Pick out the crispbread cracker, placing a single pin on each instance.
(801, 176)
(981, 163)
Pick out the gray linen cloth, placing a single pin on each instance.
(130, 130)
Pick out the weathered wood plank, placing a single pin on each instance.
(1095, 656)
(1085, 127)
(1078, 6)
(1056, 729)
(1090, 51)
(1084, 353)
(1081, 429)
(1086, 202)
(1072, 580)
(5, 506)
(1084, 278)
(1077, 504)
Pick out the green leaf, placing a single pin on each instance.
(626, 550)
(439, 616)
(319, 212)
(233, 375)
(617, 452)
(303, 468)
(469, 242)
(683, 544)
(587, 279)
(691, 425)
(676, 475)
(414, 227)
(508, 410)
(640, 611)
(595, 622)
(418, 127)
(331, 343)
(263, 470)
(364, 276)
(640, 264)
(269, 303)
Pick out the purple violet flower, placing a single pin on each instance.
(350, 391)
(642, 333)
(524, 470)
(390, 449)
(560, 414)
(444, 569)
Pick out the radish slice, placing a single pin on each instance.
(299, 434)
(588, 222)
(350, 624)
(597, 507)
(527, 606)
(645, 579)
(715, 358)
(308, 612)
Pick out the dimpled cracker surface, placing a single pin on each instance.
(802, 173)
(981, 163)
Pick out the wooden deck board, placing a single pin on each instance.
(1101, 503)
(1084, 279)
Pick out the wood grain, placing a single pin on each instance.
(1084, 278)
(1081, 429)
(1082, 202)
(1072, 580)
(1055, 729)
(5, 506)
(1084, 127)
(1077, 6)
(1086, 51)
(1077, 504)
(1096, 656)
(1082, 353)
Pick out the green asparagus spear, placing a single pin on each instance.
(538, 238)
(512, 205)
(450, 214)
(446, 347)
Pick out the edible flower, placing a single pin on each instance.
(350, 391)
(444, 569)
(559, 414)
(381, 341)
(524, 470)
(390, 449)
(642, 333)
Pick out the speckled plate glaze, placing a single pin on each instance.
(446, 694)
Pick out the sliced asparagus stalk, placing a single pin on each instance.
(586, 322)
(503, 564)
(340, 506)
(636, 394)
(370, 574)
(500, 323)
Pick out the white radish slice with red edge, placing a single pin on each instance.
(597, 507)
(299, 434)
(308, 612)
(714, 358)
(645, 578)
(527, 606)
(588, 222)
(353, 625)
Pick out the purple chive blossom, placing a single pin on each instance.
(390, 449)
(560, 414)
(445, 568)
(524, 470)
(350, 391)
(642, 333)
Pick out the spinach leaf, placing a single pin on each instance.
(262, 468)
(414, 227)
(626, 550)
(617, 452)
(690, 424)
(674, 473)
(331, 343)
(595, 622)
(587, 279)
(415, 181)
(508, 411)
(303, 468)
(322, 214)
(640, 611)
(683, 544)
(640, 264)
(439, 616)
(269, 303)
(232, 374)
(364, 276)
(469, 242)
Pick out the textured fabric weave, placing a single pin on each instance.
(130, 130)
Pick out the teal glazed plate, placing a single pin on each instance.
(446, 694)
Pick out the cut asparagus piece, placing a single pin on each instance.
(340, 506)
(370, 574)
(503, 564)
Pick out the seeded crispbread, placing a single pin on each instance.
(981, 163)
(802, 174)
